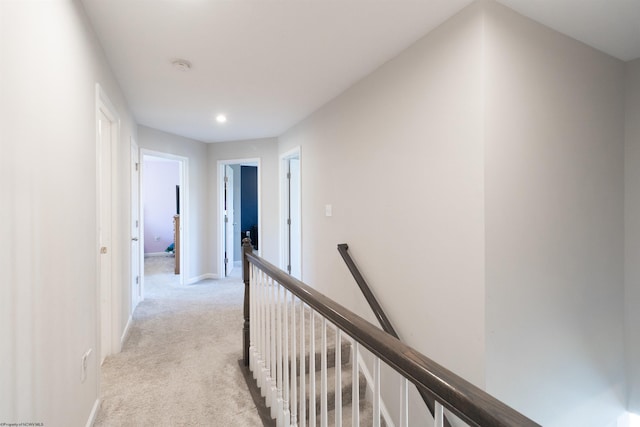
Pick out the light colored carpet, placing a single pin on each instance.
(179, 365)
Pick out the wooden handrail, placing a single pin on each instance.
(465, 400)
(385, 323)
(366, 291)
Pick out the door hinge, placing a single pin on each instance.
(289, 269)
(289, 221)
(288, 175)
(226, 179)
(137, 280)
(226, 260)
(137, 166)
(137, 224)
(226, 219)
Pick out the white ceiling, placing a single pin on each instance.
(267, 64)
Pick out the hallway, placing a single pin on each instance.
(179, 365)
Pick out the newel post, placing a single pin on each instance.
(247, 248)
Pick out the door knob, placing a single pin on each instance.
(103, 250)
(135, 239)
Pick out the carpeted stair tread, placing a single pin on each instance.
(331, 357)
(365, 414)
(346, 389)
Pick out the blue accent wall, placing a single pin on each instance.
(249, 201)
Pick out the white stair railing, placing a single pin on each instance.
(284, 314)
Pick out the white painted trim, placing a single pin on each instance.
(94, 411)
(284, 242)
(103, 104)
(125, 333)
(158, 254)
(135, 293)
(367, 375)
(184, 208)
(220, 205)
(201, 277)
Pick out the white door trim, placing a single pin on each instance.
(112, 341)
(184, 210)
(284, 207)
(220, 207)
(136, 287)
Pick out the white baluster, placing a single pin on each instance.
(267, 342)
(404, 403)
(438, 418)
(279, 358)
(274, 360)
(264, 303)
(255, 321)
(338, 406)
(323, 375)
(303, 367)
(312, 369)
(252, 320)
(260, 369)
(294, 374)
(376, 392)
(355, 383)
(285, 363)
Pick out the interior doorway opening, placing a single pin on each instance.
(291, 213)
(238, 211)
(164, 218)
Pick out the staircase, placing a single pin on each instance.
(288, 329)
(342, 373)
(339, 370)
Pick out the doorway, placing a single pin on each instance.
(164, 217)
(239, 211)
(290, 217)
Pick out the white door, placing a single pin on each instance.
(295, 238)
(291, 224)
(136, 273)
(228, 219)
(106, 132)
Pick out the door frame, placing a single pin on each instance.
(184, 211)
(229, 258)
(111, 342)
(136, 294)
(284, 207)
(220, 208)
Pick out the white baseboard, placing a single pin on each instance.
(125, 333)
(94, 413)
(152, 254)
(201, 277)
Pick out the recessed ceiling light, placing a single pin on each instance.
(181, 64)
(221, 118)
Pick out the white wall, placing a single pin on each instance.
(554, 224)
(399, 156)
(50, 63)
(198, 218)
(632, 231)
(488, 99)
(267, 151)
